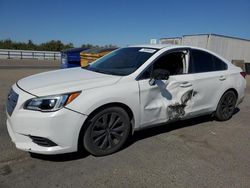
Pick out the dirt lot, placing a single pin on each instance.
(196, 153)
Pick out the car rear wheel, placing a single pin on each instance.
(107, 131)
(226, 106)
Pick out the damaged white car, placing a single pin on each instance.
(98, 106)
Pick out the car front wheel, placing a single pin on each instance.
(107, 131)
(226, 106)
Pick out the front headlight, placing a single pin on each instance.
(50, 103)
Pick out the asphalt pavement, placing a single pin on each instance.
(200, 152)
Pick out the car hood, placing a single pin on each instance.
(65, 80)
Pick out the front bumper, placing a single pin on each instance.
(61, 127)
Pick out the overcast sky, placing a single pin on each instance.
(120, 22)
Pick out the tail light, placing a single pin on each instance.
(244, 74)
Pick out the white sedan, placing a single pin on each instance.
(98, 106)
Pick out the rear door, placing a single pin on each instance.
(210, 77)
(168, 99)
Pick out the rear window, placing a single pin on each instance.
(219, 64)
(202, 61)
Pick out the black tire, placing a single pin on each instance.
(107, 131)
(226, 106)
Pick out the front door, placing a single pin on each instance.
(170, 99)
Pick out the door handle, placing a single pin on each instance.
(222, 78)
(185, 84)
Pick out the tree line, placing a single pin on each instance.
(52, 45)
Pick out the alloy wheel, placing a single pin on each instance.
(108, 130)
(228, 105)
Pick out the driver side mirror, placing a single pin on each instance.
(158, 74)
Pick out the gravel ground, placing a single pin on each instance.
(196, 153)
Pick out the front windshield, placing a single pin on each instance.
(122, 62)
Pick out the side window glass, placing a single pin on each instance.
(219, 65)
(146, 73)
(173, 62)
(201, 62)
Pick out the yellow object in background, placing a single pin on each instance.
(91, 55)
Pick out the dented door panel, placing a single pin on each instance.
(210, 88)
(166, 100)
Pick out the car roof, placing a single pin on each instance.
(170, 46)
(173, 46)
(156, 46)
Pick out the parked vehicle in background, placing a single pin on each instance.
(131, 88)
(71, 57)
(93, 54)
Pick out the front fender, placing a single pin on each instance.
(126, 93)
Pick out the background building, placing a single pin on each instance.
(234, 49)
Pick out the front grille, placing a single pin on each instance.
(45, 142)
(12, 101)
